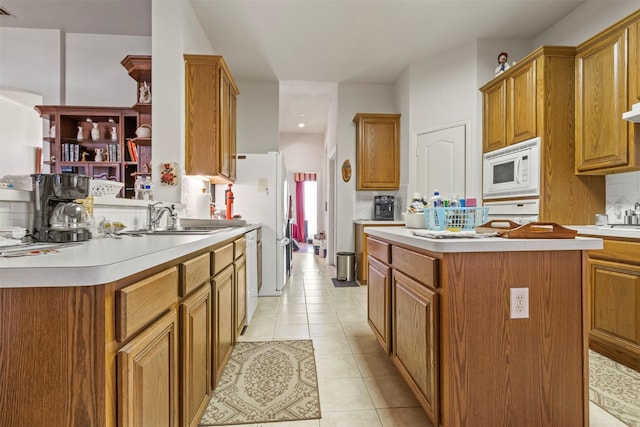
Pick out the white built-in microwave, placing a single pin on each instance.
(513, 171)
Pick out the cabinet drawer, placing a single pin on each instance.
(419, 266)
(240, 247)
(194, 272)
(222, 257)
(378, 249)
(141, 303)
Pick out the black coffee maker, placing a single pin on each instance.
(57, 217)
(383, 208)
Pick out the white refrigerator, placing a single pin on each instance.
(261, 196)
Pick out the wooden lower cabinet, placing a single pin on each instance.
(455, 344)
(614, 301)
(379, 302)
(145, 350)
(195, 365)
(147, 370)
(223, 323)
(240, 300)
(415, 339)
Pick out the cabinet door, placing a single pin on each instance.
(195, 381)
(377, 151)
(227, 127)
(240, 283)
(415, 338)
(379, 302)
(615, 310)
(521, 104)
(223, 331)
(147, 370)
(602, 137)
(494, 116)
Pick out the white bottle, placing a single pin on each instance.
(436, 201)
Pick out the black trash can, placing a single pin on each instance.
(346, 266)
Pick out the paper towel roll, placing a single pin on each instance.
(202, 206)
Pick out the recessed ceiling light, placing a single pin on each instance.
(300, 125)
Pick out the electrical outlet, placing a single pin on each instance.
(519, 303)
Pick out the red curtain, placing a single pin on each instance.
(298, 228)
(298, 232)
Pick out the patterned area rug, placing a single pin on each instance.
(615, 388)
(265, 382)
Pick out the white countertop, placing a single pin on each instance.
(489, 244)
(377, 222)
(607, 231)
(104, 260)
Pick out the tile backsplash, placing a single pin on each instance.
(623, 191)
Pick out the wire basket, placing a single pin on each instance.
(104, 188)
(455, 219)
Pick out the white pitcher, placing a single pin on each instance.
(95, 132)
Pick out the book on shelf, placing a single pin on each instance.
(133, 150)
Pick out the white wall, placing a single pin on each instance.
(94, 75)
(258, 116)
(33, 60)
(353, 99)
(20, 132)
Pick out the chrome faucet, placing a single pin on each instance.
(154, 214)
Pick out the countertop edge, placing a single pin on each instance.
(100, 261)
(490, 244)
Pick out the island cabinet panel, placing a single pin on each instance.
(46, 377)
(415, 339)
(379, 302)
(148, 376)
(468, 362)
(614, 301)
(501, 371)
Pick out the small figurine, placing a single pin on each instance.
(145, 93)
(503, 65)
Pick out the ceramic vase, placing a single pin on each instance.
(114, 133)
(99, 155)
(95, 132)
(80, 133)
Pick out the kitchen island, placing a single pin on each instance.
(484, 331)
(119, 332)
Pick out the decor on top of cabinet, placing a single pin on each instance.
(145, 93)
(503, 65)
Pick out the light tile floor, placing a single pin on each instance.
(358, 383)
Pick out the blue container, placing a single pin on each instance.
(455, 219)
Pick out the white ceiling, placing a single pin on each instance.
(306, 44)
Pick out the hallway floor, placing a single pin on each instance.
(358, 383)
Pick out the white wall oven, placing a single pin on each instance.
(513, 171)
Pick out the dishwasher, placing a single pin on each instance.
(252, 273)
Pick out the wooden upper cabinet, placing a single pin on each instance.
(521, 104)
(509, 107)
(210, 122)
(494, 101)
(377, 151)
(606, 87)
